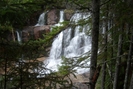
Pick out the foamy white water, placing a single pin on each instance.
(41, 20)
(70, 43)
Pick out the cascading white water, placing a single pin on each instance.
(41, 20)
(61, 18)
(18, 37)
(69, 44)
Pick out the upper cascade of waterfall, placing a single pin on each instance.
(80, 16)
(61, 18)
(70, 43)
(41, 20)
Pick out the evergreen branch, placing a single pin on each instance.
(82, 7)
(105, 3)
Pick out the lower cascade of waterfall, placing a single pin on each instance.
(71, 44)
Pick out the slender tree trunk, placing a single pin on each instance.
(128, 63)
(95, 35)
(13, 36)
(130, 4)
(131, 82)
(105, 54)
(5, 82)
(112, 49)
(110, 74)
(21, 79)
(118, 61)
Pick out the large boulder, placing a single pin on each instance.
(52, 17)
(34, 32)
(80, 81)
(68, 13)
(27, 33)
(40, 30)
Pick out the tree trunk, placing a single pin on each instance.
(112, 21)
(95, 35)
(128, 63)
(105, 53)
(118, 61)
(131, 82)
(5, 82)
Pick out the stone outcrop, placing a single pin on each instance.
(34, 32)
(80, 81)
(40, 30)
(68, 14)
(27, 33)
(52, 17)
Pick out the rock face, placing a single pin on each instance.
(40, 30)
(52, 17)
(27, 33)
(81, 80)
(34, 32)
(68, 14)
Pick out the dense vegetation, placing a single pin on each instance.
(112, 34)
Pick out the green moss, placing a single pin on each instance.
(69, 11)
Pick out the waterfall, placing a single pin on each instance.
(41, 20)
(61, 16)
(61, 19)
(68, 45)
(56, 47)
(18, 37)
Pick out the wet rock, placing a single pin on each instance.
(68, 14)
(34, 32)
(52, 17)
(40, 30)
(25, 36)
(27, 33)
(81, 81)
